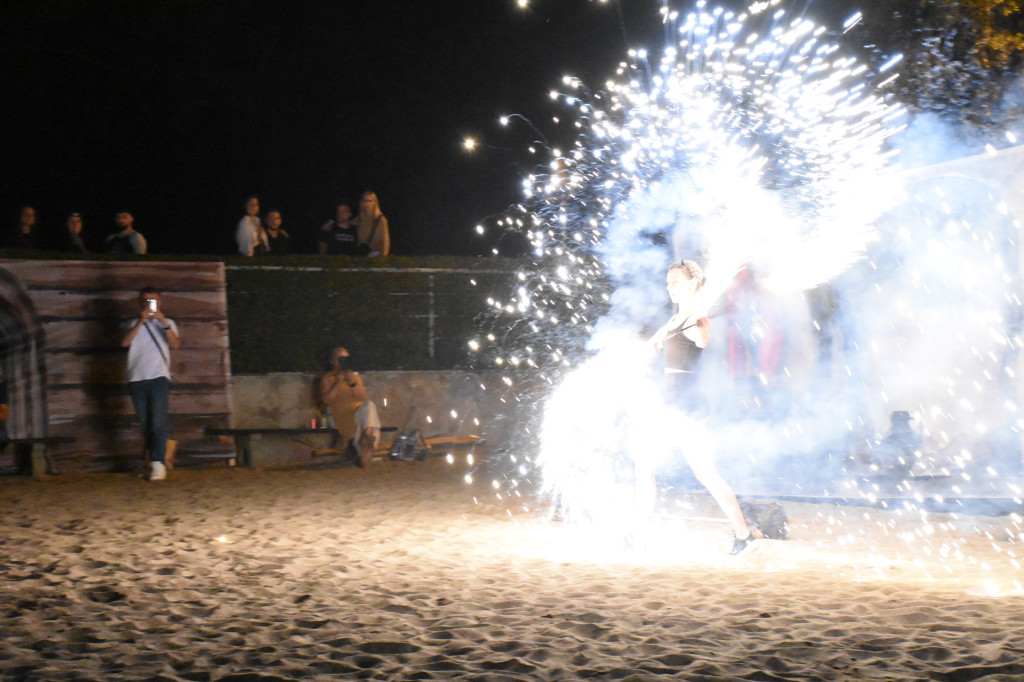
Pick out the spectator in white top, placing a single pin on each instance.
(250, 235)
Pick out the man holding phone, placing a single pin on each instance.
(149, 343)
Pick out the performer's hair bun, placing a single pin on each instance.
(694, 270)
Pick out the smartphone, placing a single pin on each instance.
(151, 304)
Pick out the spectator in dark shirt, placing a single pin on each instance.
(338, 236)
(26, 235)
(126, 241)
(72, 239)
(277, 239)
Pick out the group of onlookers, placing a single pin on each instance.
(28, 236)
(366, 234)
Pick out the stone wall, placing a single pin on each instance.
(436, 403)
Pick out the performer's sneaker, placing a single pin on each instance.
(740, 545)
(157, 471)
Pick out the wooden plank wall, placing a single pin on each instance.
(83, 307)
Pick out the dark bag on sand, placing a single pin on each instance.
(408, 446)
(769, 519)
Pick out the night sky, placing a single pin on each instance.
(179, 110)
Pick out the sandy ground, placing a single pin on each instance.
(409, 572)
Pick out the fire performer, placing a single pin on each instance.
(683, 338)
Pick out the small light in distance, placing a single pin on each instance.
(469, 144)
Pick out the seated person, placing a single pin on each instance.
(898, 451)
(352, 414)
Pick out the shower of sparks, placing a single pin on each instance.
(755, 145)
(758, 149)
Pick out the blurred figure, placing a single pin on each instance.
(338, 237)
(126, 241)
(897, 454)
(372, 234)
(26, 234)
(683, 338)
(278, 241)
(250, 235)
(72, 239)
(353, 415)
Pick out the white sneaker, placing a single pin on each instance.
(157, 471)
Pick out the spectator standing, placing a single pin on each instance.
(372, 227)
(126, 240)
(72, 238)
(338, 237)
(149, 343)
(353, 415)
(277, 239)
(26, 235)
(250, 235)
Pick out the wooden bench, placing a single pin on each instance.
(250, 456)
(243, 437)
(340, 449)
(35, 459)
(432, 446)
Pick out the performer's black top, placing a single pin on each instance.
(681, 353)
(681, 386)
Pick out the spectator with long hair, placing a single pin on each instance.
(250, 235)
(372, 227)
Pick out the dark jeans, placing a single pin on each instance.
(150, 398)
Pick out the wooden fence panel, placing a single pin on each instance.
(83, 307)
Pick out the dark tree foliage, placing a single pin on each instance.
(960, 56)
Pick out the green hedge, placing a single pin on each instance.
(392, 314)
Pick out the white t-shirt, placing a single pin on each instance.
(248, 234)
(149, 358)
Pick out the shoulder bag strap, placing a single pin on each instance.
(160, 348)
(373, 232)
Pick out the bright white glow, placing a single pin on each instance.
(768, 151)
